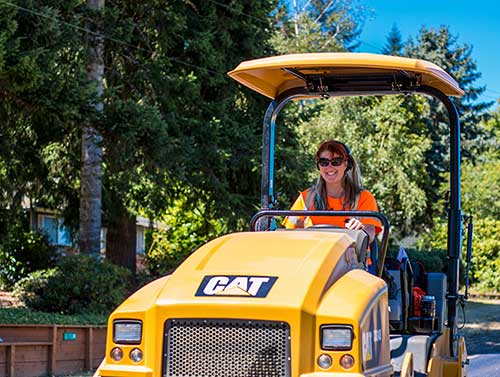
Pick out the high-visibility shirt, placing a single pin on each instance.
(366, 202)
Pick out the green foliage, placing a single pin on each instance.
(22, 252)
(436, 238)
(44, 97)
(434, 260)
(387, 140)
(480, 194)
(166, 94)
(481, 200)
(20, 316)
(181, 139)
(189, 228)
(77, 284)
(485, 260)
(441, 47)
(486, 254)
(173, 119)
(318, 26)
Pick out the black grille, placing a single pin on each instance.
(226, 348)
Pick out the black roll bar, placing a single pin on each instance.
(454, 212)
(360, 87)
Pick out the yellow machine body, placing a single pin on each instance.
(317, 283)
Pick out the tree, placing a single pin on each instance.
(318, 26)
(481, 200)
(172, 123)
(442, 48)
(312, 26)
(91, 171)
(44, 96)
(388, 141)
(394, 45)
(479, 176)
(175, 124)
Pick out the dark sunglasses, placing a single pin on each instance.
(336, 161)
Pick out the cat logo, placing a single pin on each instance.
(239, 286)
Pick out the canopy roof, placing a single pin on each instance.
(342, 72)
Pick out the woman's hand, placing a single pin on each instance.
(355, 224)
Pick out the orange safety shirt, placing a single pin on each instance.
(366, 202)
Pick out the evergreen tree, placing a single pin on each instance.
(442, 48)
(173, 124)
(394, 45)
(44, 96)
(176, 124)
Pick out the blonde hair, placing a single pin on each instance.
(351, 181)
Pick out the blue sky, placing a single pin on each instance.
(476, 23)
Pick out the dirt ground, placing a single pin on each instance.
(482, 327)
(7, 300)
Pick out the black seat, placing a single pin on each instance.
(399, 279)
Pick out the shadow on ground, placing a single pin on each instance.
(482, 326)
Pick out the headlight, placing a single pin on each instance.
(136, 355)
(336, 337)
(127, 331)
(116, 354)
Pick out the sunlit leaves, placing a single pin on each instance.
(388, 143)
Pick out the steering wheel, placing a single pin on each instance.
(325, 226)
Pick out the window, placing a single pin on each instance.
(54, 229)
(139, 241)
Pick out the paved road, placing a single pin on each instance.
(484, 365)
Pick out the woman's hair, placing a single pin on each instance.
(351, 181)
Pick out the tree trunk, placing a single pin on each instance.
(121, 241)
(91, 170)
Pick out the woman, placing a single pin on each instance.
(339, 189)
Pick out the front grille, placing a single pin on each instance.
(226, 348)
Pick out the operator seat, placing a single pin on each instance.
(361, 241)
(360, 238)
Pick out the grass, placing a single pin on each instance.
(23, 316)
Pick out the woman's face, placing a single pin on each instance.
(332, 174)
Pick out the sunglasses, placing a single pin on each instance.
(336, 161)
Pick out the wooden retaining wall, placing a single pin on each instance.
(40, 350)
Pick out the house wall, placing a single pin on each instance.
(51, 224)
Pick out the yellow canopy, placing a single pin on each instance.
(274, 75)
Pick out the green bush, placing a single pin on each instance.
(486, 255)
(22, 252)
(77, 284)
(188, 229)
(19, 316)
(433, 260)
(485, 261)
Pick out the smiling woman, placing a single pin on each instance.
(338, 188)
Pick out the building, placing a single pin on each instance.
(50, 223)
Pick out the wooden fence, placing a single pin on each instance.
(40, 350)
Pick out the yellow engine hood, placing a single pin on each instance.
(302, 264)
